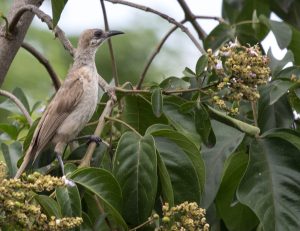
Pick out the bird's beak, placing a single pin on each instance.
(113, 33)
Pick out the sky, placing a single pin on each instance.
(79, 15)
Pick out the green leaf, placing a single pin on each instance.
(188, 73)
(279, 88)
(57, 8)
(242, 126)
(184, 164)
(294, 45)
(277, 115)
(87, 224)
(174, 83)
(10, 106)
(69, 201)
(235, 215)
(203, 126)
(12, 154)
(10, 130)
(219, 35)
(138, 113)
(157, 102)
(165, 181)
(135, 168)
(201, 64)
(105, 186)
(281, 31)
(271, 184)
(49, 205)
(288, 135)
(277, 65)
(183, 123)
(227, 141)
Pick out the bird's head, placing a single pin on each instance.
(93, 38)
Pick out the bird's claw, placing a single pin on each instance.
(95, 139)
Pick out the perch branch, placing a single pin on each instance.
(18, 103)
(164, 16)
(111, 51)
(45, 62)
(91, 148)
(44, 18)
(189, 16)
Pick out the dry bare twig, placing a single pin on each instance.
(44, 18)
(111, 51)
(164, 16)
(45, 62)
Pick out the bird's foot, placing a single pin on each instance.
(111, 92)
(68, 182)
(93, 138)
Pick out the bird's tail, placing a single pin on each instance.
(27, 158)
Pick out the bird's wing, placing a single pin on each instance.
(64, 102)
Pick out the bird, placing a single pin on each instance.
(74, 103)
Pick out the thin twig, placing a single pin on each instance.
(111, 51)
(18, 103)
(254, 111)
(189, 16)
(143, 224)
(220, 20)
(165, 92)
(124, 123)
(91, 148)
(154, 53)
(164, 16)
(42, 59)
(44, 18)
(99, 206)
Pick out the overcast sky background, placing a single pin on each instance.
(79, 15)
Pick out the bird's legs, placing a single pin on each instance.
(89, 138)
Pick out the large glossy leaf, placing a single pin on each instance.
(294, 45)
(174, 83)
(235, 215)
(69, 201)
(138, 113)
(279, 88)
(277, 65)
(57, 8)
(12, 154)
(103, 184)
(271, 184)
(49, 205)
(184, 164)
(203, 126)
(277, 115)
(227, 141)
(135, 168)
(219, 35)
(281, 31)
(183, 122)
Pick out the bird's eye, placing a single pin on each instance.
(98, 33)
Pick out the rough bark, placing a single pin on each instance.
(10, 46)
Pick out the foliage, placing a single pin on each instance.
(223, 137)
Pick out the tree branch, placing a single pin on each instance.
(124, 123)
(44, 18)
(189, 16)
(111, 51)
(91, 148)
(18, 103)
(154, 53)
(10, 46)
(164, 16)
(45, 62)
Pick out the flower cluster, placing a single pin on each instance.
(19, 210)
(183, 217)
(240, 71)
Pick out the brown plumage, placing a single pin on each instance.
(74, 103)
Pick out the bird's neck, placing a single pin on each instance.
(84, 57)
